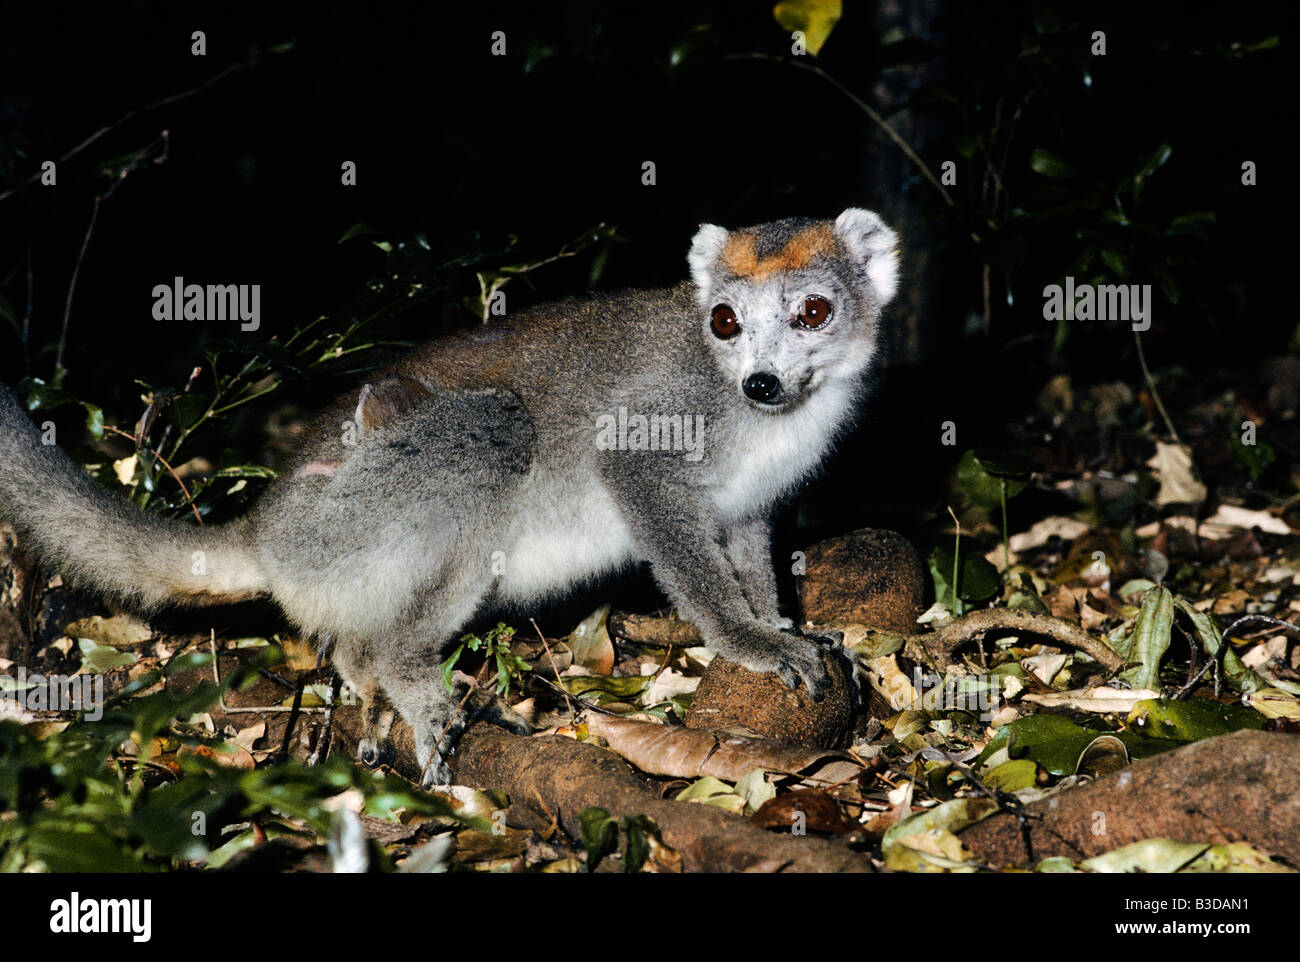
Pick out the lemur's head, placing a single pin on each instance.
(791, 305)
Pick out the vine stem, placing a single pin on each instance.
(1151, 384)
(189, 498)
(1006, 542)
(866, 108)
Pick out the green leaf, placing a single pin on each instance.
(39, 396)
(1114, 262)
(1233, 857)
(1150, 639)
(607, 688)
(188, 409)
(1193, 719)
(982, 478)
(638, 829)
(94, 420)
(705, 788)
(164, 819)
(359, 230)
(1013, 775)
(1158, 159)
(952, 816)
(814, 18)
(78, 847)
(1048, 164)
(1153, 855)
(977, 579)
(101, 658)
(599, 834)
(1057, 743)
(1056, 864)
(755, 789)
(247, 471)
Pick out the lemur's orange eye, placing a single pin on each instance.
(725, 324)
(815, 312)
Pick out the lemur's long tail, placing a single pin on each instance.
(108, 544)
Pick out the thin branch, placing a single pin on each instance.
(189, 498)
(567, 700)
(865, 107)
(130, 115)
(90, 230)
(1151, 384)
(956, 633)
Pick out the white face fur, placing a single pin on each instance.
(784, 326)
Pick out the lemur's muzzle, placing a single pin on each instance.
(763, 387)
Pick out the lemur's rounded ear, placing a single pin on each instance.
(865, 236)
(706, 248)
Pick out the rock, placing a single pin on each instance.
(730, 695)
(870, 576)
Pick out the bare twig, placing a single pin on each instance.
(866, 108)
(189, 498)
(1262, 621)
(956, 633)
(555, 668)
(90, 230)
(1151, 385)
(130, 115)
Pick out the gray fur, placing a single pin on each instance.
(469, 476)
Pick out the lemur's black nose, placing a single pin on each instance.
(762, 387)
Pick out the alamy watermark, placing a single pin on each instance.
(654, 432)
(1098, 302)
(36, 692)
(209, 302)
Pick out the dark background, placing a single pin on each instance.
(492, 161)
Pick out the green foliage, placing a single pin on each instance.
(1255, 458)
(990, 483)
(495, 646)
(962, 578)
(82, 801)
(1149, 640)
(601, 833)
(1056, 743)
(42, 397)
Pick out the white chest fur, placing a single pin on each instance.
(771, 453)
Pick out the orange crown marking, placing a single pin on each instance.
(739, 258)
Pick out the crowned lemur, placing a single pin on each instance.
(506, 464)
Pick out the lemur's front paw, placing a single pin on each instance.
(437, 772)
(436, 743)
(790, 657)
(826, 636)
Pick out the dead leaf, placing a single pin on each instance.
(229, 755)
(117, 631)
(1172, 466)
(590, 643)
(811, 809)
(691, 753)
(1100, 699)
(248, 737)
